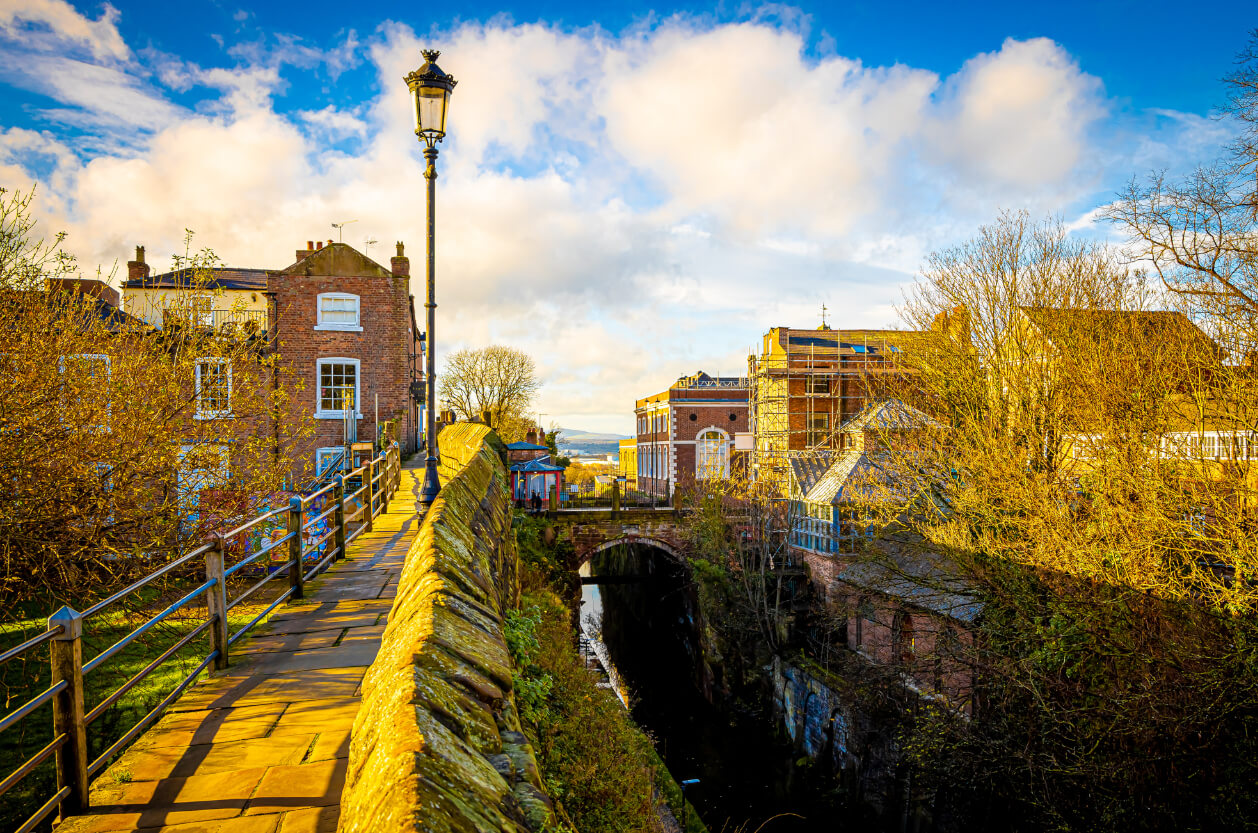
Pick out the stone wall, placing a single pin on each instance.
(437, 745)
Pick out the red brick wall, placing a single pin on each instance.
(932, 651)
(381, 349)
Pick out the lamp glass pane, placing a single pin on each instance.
(430, 109)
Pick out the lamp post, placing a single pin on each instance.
(430, 90)
(685, 808)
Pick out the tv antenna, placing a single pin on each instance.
(340, 229)
(368, 243)
(823, 316)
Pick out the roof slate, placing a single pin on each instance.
(225, 278)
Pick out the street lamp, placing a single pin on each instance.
(430, 88)
(685, 807)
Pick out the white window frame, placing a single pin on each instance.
(202, 413)
(191, 485)
(320, 324)
(109, 370)
(705, 474)
(318, 385)
(326, 451)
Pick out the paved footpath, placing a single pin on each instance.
(263, 747)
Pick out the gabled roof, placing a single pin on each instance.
(855, 474)
(535, 466)
(807, 467)
(224, 278)
(918, 580)
(1155, 327)
(523, 446)
(337, 260)
(887, 415)
(116, 319)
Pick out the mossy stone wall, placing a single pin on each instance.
(437, 745)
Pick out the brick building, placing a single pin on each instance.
(805, 383)
(895, 605)
(687, 433)
(341, 323)
(345, 326)
(627, 463)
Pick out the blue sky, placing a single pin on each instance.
(629, 192)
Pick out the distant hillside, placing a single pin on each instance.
(589, 442)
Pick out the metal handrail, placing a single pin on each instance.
(42, 813)
(318, 518)
(263, 551)
(148, 669)
(14, 717)
(32, 762)
(33, 642)
(64, 634)
(126, 591)
(95, 662)
(283, 598)
(150, 718)
(250, 524)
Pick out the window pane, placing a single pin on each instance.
(337, 383)
(339, 311)
(215, 387)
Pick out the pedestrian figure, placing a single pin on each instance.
(536, 502)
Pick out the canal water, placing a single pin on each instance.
(750, 779)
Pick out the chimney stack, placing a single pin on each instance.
(400, 264)
(302, 254)
(137, 269)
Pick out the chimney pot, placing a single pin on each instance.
(310, 245)
(319, 245)
(329, 241)
(137, 269)
(400, 264)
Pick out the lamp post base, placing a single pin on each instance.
(432, 485)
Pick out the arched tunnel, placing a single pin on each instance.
(640, 598)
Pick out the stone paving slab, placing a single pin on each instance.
(263, 747)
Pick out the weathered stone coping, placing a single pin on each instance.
(437, 745)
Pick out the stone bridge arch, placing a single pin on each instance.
(592, 535)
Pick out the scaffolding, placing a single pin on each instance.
(805, 384)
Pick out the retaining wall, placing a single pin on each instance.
(437, 745)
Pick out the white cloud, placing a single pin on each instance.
(626, 208)
(55, 25)
(333, 122)
(1018, 117)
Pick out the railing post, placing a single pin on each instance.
(216, 600)
(369, 473)
(67, 709)
(385, 477)
(338, 495)
(554, 501)
(296, 579)
(615, 498)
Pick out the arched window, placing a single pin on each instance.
(711, 455)
(903, 642)
(864, 612)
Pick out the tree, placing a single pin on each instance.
(123, 445)
(496, 380)
(1201, 234)
(551, 440)
(1065, 483)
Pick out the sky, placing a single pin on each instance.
(628, 192)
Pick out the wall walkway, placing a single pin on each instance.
(264, 747)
